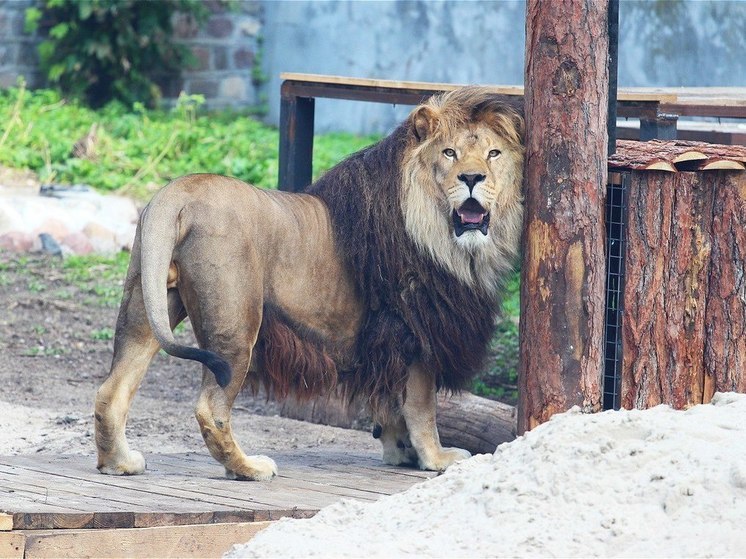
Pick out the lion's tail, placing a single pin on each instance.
(159, 230)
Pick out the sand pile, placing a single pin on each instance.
(634, 483)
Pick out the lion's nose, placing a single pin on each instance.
(471, 180)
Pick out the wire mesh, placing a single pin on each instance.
(616, 225)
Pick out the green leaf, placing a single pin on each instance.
(46, 50)
(85, 9)
(32, 17)
(55, 72)
(59, 31)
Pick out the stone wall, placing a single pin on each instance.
(17, 49)
(226, 48)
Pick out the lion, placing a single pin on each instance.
(381, 280)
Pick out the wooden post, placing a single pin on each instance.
(296, 141)
(563, 276)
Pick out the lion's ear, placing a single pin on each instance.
(424, 121)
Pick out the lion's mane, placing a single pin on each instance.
(416, 309)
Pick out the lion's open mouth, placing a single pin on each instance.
(471, 216)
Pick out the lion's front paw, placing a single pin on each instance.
(255, 468)
(439, 461)
(133, 464)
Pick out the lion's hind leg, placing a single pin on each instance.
(397, 446)
(134, 348)
(229, 327)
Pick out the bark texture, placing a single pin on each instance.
(684, 324)
(665, 292)
(725, 317)
(565, 179)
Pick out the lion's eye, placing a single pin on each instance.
(493, 154)
(450, 153)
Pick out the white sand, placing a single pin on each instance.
(659, 483)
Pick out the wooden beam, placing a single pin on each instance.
(206, 540)
(563, 272)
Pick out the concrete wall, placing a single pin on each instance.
(662, 43)
(418, 40)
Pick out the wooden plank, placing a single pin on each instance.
(52, 520)
(708, 96)
(6, 521)
(132, 491)
(211, 540)
(67, 492)
(12, 545)
(515, 90)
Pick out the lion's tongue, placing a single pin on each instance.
(470, 217)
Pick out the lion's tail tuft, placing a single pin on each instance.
(219, 366)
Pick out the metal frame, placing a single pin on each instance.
(616, 245)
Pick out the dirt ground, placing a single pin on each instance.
(55, 351)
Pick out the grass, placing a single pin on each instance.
(98, 278)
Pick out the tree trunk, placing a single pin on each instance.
(563, 273)
(464, 420)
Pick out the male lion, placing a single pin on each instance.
(381, 279)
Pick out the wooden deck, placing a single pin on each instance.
(182, 506)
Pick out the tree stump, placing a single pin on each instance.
(563, 273)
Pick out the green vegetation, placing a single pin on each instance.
(136, 151)
(99, 278)
(99, 50)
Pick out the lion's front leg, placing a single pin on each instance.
(418, 411)
(397, 446)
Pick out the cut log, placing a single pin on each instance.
(464, 420)
(676, 155)
(721, 164)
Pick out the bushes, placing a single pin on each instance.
(137, 151)
(101, 50)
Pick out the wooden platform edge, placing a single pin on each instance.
(197, 540)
